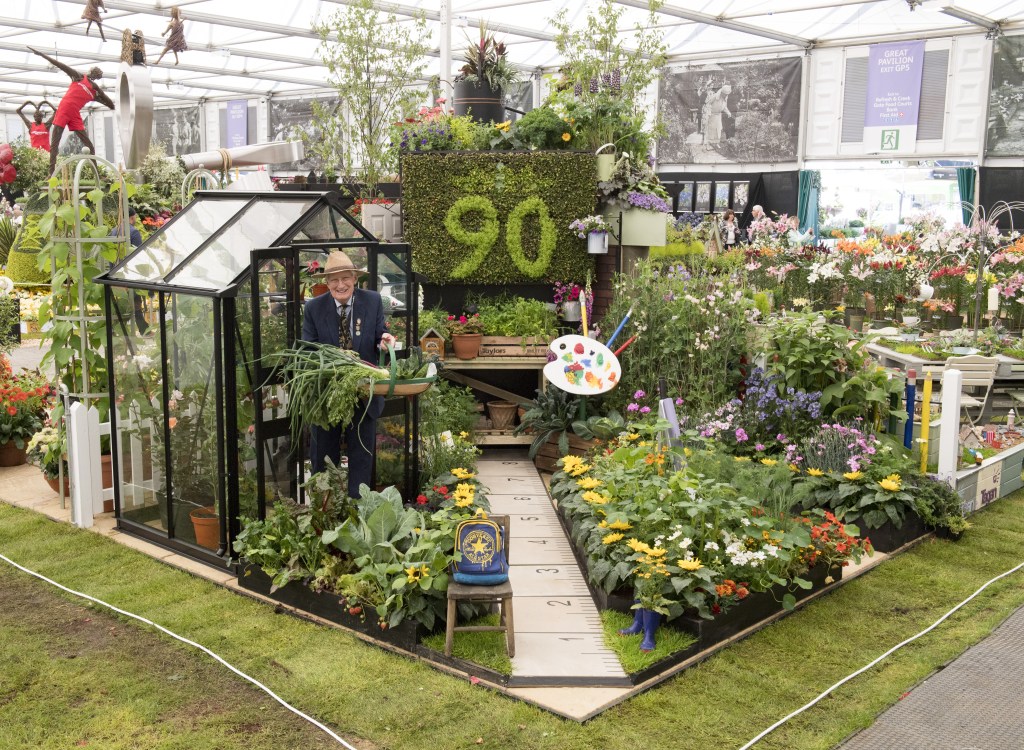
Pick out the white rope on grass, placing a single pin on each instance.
(202, 648)
(866, 667)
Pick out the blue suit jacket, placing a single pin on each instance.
(320, 325)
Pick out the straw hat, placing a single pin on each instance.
(337, 263)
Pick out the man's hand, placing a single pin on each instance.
(387, 340)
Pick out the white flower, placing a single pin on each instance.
(6, 285)
(711, 546)
(685, 543)
(745, 521)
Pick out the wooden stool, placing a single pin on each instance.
(500, 594)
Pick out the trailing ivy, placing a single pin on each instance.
(446, 198)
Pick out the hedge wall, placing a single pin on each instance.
(498, 217)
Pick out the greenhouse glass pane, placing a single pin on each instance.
(175, 242)
(328, 224)
(228, 255)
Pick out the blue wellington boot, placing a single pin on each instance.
(651, 620)
(638, 623)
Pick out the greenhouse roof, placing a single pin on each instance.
(206, 247)
(270, 50)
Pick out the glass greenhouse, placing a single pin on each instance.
(200, 431)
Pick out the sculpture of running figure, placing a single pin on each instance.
(69, 112)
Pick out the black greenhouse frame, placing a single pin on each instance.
(198, 418)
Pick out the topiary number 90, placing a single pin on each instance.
(482, 240)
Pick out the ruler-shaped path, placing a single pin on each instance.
(559, 640)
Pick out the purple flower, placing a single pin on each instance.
(639, 394)
(679, 402)
(645, 410)
(741, 436)
(633, 407)
(759, 447)
(647, 201)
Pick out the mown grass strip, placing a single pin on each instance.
(398, 702)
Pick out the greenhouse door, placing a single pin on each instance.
(271, 469)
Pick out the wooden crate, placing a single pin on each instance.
(513, 346)
(548, 455)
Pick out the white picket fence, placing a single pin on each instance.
(137, 468)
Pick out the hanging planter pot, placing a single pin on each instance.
(925, 293)
(479, 101)
(597, 243)
(641, 226)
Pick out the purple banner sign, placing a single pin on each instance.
(238, 123)
(894, 96)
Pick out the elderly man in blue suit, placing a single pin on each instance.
(352, 319)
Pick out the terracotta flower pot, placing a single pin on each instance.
(207, 527)
(55, 484)
(11, 455)
(467, 345)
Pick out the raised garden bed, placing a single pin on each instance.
(996, 477)
(887, 538)
(405, 636)
(548, 455)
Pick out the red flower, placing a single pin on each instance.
(421, 499)
(12, 410)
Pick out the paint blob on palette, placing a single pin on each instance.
(582, 366)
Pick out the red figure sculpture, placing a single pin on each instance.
(69, 112)
(38, 130)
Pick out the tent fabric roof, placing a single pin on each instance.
(270, 49)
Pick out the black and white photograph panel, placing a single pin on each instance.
(292, 120)
(745, 112)
(179, 129)
(1006, 98)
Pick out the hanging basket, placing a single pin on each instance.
(395, 386)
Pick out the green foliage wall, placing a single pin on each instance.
(540, 191)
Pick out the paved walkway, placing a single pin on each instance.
(975, 703)
(27, 355)
(559, 639)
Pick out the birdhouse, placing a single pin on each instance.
(432, 342)
(969, 438)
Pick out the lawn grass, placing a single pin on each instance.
(486, 648)
(398, 702)
(668, 641)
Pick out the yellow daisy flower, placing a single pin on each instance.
(588, 483)
(741, 458)
(769, 461)
(611, 538)
(891, 483)
(620, 526)
(566, 137)
(815, 472)
(689, 564)
(794, 468)
(412, 574)
(462, 474)
(594, 498)
(853, 476)
(637, 546)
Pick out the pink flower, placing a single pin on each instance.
(741, 435)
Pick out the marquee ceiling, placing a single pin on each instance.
(245, 48)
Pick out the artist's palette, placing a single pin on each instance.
(582, 366)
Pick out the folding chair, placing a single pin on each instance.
(979, 373)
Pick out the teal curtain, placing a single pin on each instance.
(966, 177)
(807, 202)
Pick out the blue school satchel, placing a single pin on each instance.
(481, 560)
